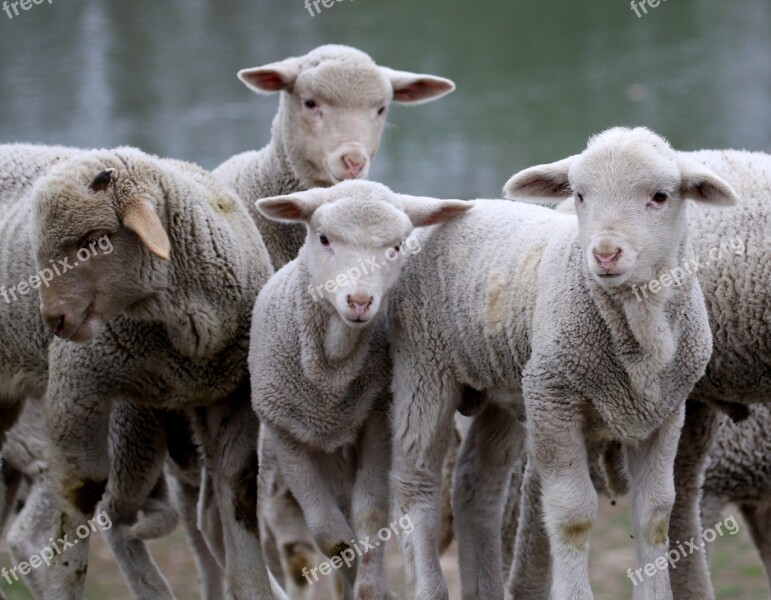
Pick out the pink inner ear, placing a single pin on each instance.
(270, 81)
(287, 210)
(419, 90)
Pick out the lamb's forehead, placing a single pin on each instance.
(362, 213)
(626, 157)
(342, 76)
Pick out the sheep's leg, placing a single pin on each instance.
(531, 572)
(690, 579)
(184, 473)
(30, 532)
(652, 489)
(79, 469)
(283, 522)
(492, 443)
(185, 499)
(758, 517)
(138, 448)
(307, 474)
(210, 520)
(370, 505)
(228, 432)
(289, 548)
(569, 498)
(422, 413)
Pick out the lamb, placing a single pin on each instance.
(319, 362)
(168, 313)
(333, 108)
(332, 112)
(732, 258)
(526, 321)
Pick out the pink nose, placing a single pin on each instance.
(360, 303)
(607, 259)
(353, 164)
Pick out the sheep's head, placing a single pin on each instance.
(630, 190)
(359, 235)
(334, 108)
(98, 245)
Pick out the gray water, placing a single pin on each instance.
(535, 78)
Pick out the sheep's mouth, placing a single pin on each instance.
(81, 332)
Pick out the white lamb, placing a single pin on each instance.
(319, 362)
(333, 108)
(517, 299)
(732, 256)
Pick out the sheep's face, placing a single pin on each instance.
(92, 264)
(359, 236)
(629, 189)
(630, 211)
(354, 252)
(334, 108)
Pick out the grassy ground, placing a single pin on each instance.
(737, 572)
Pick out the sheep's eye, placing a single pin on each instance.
(580, 197)
(89, 240)
(310, 103)
(397, 247)
(660, 197)
(381, 110)
(324, 240)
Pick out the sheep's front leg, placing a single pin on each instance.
(493, 442)
(78, 422)
(319, 482)
(569, 498)
(690, 579)
(652, 489)
(228, 432)
(370, 504)
(422, 414)
(531, 571)
(138, 448)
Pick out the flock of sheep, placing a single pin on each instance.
(283, 334)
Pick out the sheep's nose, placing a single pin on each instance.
(354, 163)
(607, 258)
(57, 318)
(360, 303)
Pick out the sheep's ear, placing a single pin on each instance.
(102, 180)
(702, 185)
(140, 218)
(546, 182)
(271, 78)
(294, 208)
(430, 211)
(414, 89)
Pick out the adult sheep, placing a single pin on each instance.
(167, 313)
(523, 300)
(320, 368)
